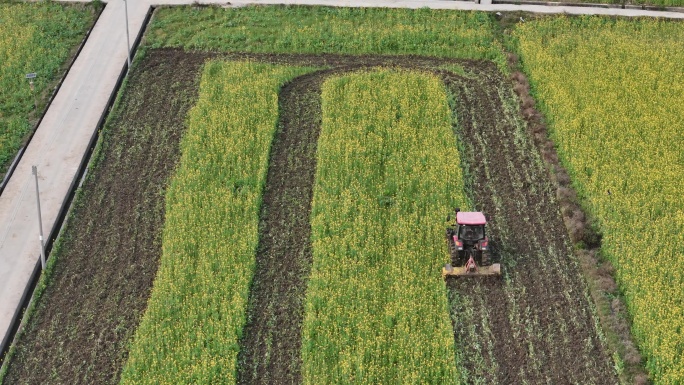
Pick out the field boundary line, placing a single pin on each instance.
(496, 6)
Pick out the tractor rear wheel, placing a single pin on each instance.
(486, 261)
(453, 252)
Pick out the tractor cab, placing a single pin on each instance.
(471, 232)
(471, 226)
(469, 246)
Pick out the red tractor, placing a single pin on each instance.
(469, 247)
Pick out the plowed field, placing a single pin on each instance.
(535, 325)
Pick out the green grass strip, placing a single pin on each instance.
(660, 3)
(388, 173)
(612, 91)
(190, 331)
(34, 37)
(316, 30)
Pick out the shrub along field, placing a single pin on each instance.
(374, 310)
(612, 93)
(34, 37)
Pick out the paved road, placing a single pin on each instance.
(444, 4)
(57, 149)
(61, 140)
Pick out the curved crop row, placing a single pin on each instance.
(612, 91)
(388, 171)
(190, 331)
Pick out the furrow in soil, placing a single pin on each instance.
(270, 347)
(543, 330)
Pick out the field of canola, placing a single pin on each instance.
(374, 308)
(202, 344)
(612, 92)
(194, 318)
(392, 329)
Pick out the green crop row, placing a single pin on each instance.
(319, 30)
(376, 309)
(612, 92)
(190, 331)
(34, 37)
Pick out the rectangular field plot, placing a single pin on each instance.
(388, 173)
(612, 91)
(195, 316)
(317, 30)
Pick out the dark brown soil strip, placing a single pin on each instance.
(472, 108)
(540, 334)
(270, 347)
(111, 246)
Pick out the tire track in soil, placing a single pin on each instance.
(533, 301)
(271, 343)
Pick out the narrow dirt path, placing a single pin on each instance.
(270, 347)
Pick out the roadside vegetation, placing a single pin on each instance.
(34, 37)
(612, 94)
(376, 311)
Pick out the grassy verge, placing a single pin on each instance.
(611, 90)
(316, 30)
(376, 309)
(657, 3)
(34, 37)
(195, 316)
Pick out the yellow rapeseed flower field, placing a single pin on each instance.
(190, 331)
(613, 92)
(376, 307)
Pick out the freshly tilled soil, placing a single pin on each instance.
(541, 322)
(534, 325)
(269, 351)
(111, 246)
